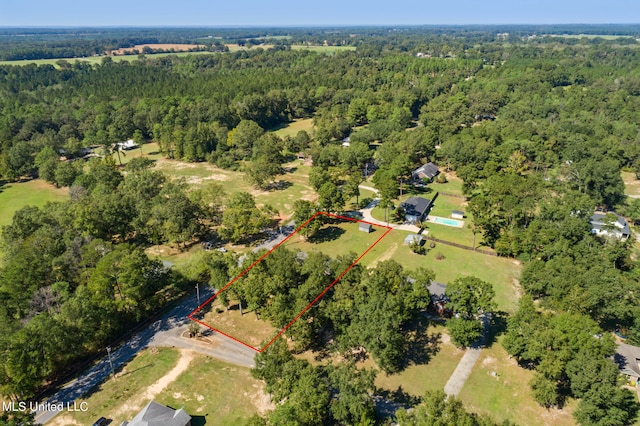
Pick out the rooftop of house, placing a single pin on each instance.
(599, 221)
(627, 357)
(428, 170)
(416, 206)
(155, 414)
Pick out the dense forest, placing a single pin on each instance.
(538, 129)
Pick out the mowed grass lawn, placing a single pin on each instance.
(499, 387)
(337, 239)
(416, 379)
(14, 196)
(294, 127)
(501, 272)
(246, 327)
(631, 184)
(211, 391)
(216, 392)
(295, 182)
(110, 398)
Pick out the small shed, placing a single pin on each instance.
(365, 227)
(457, 214)
(414, 239)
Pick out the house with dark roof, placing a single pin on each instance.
(426, 171)
(155, 414)
(610, 225)
(416, 209)
(628, 359)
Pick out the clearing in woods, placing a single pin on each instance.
(330, 232)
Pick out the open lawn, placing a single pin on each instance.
(211, 391)
(499, 387)
(502, 273)
(323, 49)
(129, 58)
(246, 328)
(98, 59)
(631, 184)
(114, 399)
(294, 127)
(418, 378)
(148, 150)
(216, 393)
(14, 196)
(294, 182)
(337, 239)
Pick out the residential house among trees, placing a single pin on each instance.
(628, 359)
(610, 225)
(426, 171)
(416, 209)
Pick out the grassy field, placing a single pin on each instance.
(631, 184)
(14, 196)
(148, 150)
(338, 239)
(98, 59)
(216, 393)
(294, 127)
(211, 391)
(112, 399)
(129, 58)
(418, 378)
(501, 272)
(323, 49)
(294, 181)
(499, 387)
(246, 328)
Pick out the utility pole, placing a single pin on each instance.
(110, 363)
(198, 292)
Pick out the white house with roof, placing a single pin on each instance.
(610, 225)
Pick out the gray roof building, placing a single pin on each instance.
(628, 359)
(428, 171)
(619, 228)
(416, 208)
(413, 239)
(155, 414)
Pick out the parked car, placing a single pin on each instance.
(101, 422)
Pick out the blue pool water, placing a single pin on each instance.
(448, 222)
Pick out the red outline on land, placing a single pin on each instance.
(209, 300)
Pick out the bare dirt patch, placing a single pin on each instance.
(157, 46)
(137, 403)
(385, 256)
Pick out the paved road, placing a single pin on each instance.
(275, 238)
(165, 332)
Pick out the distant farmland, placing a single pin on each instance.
(168, 46)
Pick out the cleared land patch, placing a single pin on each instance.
(157, 46)
(327, 232)
(498, 386)
(14, 196)
(113, 398)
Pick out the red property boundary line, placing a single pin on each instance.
(209, 300)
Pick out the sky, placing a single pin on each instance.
(54, 13)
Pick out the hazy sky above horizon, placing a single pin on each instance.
(328, 12)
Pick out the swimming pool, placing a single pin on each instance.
(446, 221)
